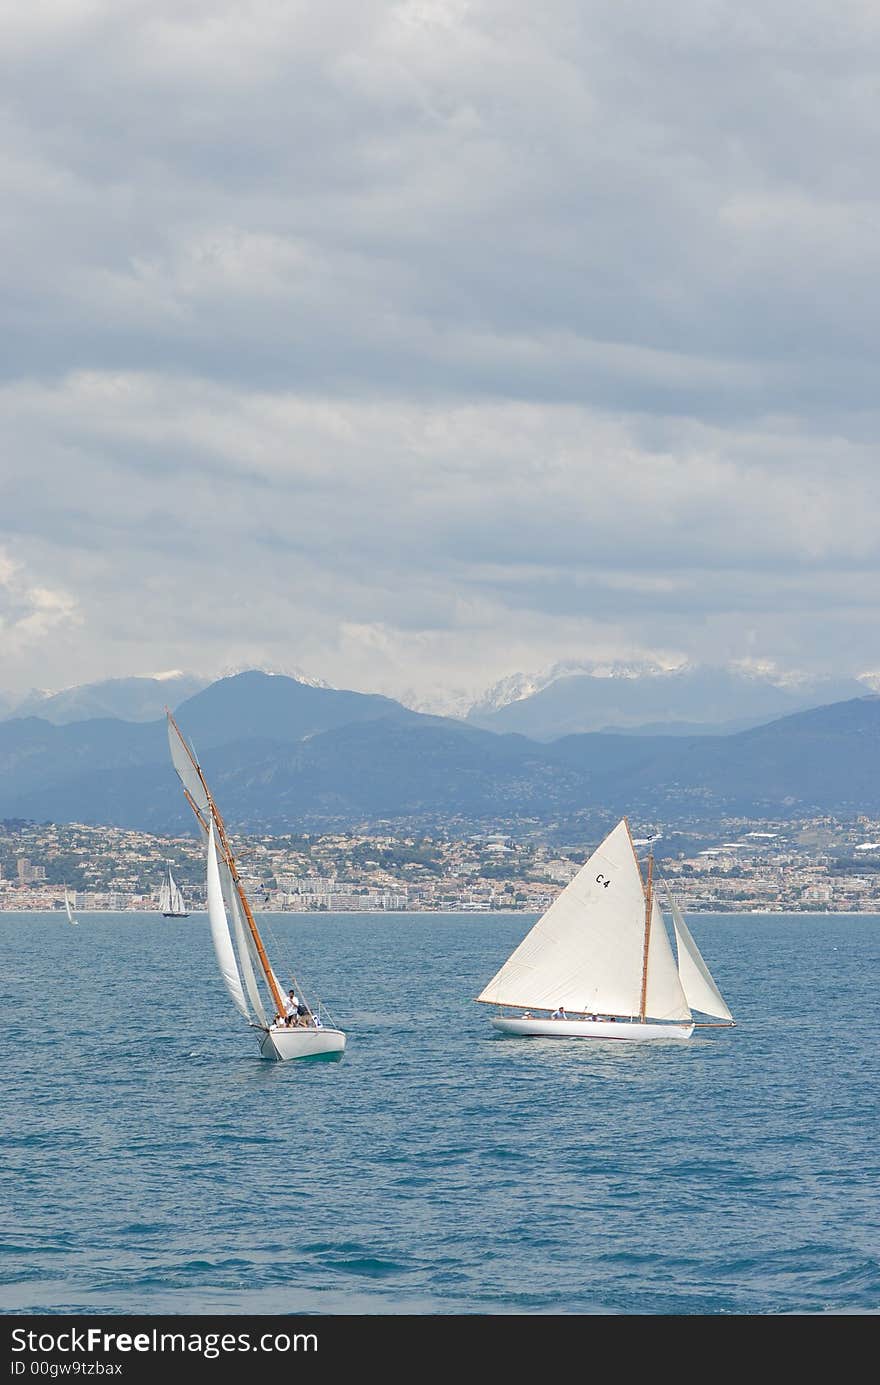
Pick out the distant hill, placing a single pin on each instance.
(129, 699)
(38, 759)
(275, 707)
(695, 699)
(361, 772)
(105, 770)
(284, 757)
(825, 760)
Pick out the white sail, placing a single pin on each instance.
(696, 979)
(175, 895)
(664, 996)
(171, 901)
(220, 930)
(587, 951)
(187, 773)
(68, 906)
(244, 943)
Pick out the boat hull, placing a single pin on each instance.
(280, 1045)
(618, 1030)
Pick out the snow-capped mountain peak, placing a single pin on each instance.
(518, 686)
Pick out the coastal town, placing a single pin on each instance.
(818, 865)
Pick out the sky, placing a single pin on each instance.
(412, 345)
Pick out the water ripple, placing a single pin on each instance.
(439, 1168)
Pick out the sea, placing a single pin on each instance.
(152, 1163)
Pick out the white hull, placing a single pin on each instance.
(281, 1044)
(592, 1029)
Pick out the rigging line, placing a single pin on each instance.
(306, 993)
(281, 950)
(285, 968)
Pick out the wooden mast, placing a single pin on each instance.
(233, 869)
(649, 909)
(258, 941)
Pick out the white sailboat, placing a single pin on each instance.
(599, 963)
(171, 901)
(69, 906)
(247, 973)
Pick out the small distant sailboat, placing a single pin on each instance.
(244, 966)
(599, 963)
(70, 907)
(171, 900)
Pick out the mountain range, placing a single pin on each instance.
(694, 699)
(566, 699)
(284, 756)
(129, 699)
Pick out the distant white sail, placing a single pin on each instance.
(171, 902)
(696, 979)
(220, 930)
(587, 951)
(176, 897)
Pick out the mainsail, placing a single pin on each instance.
(220, 930)
(248, 958)
(699, 987)
(587, 952)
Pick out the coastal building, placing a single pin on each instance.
(807, 865)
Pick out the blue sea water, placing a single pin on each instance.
(154, 1164)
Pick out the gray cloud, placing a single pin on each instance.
(417, 343)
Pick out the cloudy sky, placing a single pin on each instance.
(414, 344)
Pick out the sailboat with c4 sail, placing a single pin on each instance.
(247, 973)
(599, 964)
